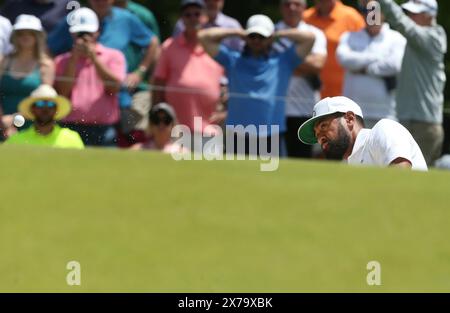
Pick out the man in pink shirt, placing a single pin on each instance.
(191, 77)
(90, 75)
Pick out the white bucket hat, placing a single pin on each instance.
(28, 22)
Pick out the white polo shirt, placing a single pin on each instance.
(385, 142)
(301, 98)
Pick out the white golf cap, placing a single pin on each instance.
(421, 6)
(326, 107)
(83, 20)
(163, 106)
(260, 24)
(28, 22)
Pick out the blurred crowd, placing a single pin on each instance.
(101, 75)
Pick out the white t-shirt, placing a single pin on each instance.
(301, 98)
(385, 142)
(5, 33)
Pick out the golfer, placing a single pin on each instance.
(338, 126)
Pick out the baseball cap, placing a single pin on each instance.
(83, 20)
(421, 6)
(200, 3)
(163, 106)
(260, 24)
(326, 107)
(28, 22)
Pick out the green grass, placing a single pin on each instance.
(139, 221)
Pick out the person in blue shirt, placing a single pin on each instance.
(258, 76)
(119, 29)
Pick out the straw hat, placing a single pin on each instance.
(45, 92)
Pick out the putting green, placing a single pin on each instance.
(139, 221)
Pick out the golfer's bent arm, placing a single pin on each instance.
(211, 38)
(401, 163)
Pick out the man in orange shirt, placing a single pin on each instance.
(333, 18)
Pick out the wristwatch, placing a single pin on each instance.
(142, 70)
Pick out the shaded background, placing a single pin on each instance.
(167, 13)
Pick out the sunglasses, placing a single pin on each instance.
(156, 120)
(45, 104)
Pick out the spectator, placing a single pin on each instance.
(372, 58)
(420, 94)
(91, 77)
(5, 33)
(135, 121)
(50, 12)
(304, 87)
(120, 30)
(44, 107)
(191, 77)
(162, 121)
(215, 18)
(259, 72)
(334, 18)
(25, 69)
